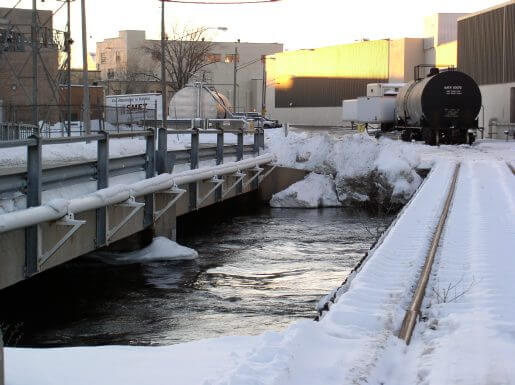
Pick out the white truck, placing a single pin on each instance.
(133, 108)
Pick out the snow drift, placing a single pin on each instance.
(315, 190)
(161, 249)
(377, 173)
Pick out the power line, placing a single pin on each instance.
(220, 2)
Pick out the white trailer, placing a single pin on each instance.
(350, 110)
(376, 110)
(133, 108)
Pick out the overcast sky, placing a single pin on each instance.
(295, 23)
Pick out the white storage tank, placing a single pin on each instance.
(184, 104)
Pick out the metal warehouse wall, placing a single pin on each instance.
(486, 45)
(324, 77)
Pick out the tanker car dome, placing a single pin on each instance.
(184, 104)
(450, 95)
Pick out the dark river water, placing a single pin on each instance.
(254, 273)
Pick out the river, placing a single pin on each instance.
(256, 272)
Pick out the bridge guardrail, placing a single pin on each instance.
(35, 180)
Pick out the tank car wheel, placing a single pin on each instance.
(430, 136)
(406, 135)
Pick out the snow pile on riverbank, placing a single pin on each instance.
(315, 190)
(364, 170)
(161, 249)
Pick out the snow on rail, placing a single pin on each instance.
(469, 333)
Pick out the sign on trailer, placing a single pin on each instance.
(133, 108)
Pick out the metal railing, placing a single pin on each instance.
(509, 129)
(33, 181)
(16, 131)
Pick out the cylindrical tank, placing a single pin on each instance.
(184, 104)
(448, 98)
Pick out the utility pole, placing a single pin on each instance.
(85, 80)
(163, 63)
(69, 70)
(263, 88)
(162, 136)
(35, 51)
(235, 61)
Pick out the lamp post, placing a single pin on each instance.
(68, 68)
(85, 81)
(235, 61)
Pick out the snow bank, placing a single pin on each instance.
(161, 249)
(377, 172)
(315, 190)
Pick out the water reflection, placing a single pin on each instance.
(254, 273)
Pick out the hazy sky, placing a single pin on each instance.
(296, 23)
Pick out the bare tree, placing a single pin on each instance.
(186, 53)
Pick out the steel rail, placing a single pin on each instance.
(410, 318)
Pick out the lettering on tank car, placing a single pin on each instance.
(451, 112)
(453, 90)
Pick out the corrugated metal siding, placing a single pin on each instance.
(321, 92)
(510, 44)
(481, 52)
(323, 77)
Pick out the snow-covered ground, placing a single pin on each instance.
(469, 339)
(78, 152)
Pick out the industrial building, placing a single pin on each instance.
(486, 51)
(16, 65)
(308, 86)
(121, 57)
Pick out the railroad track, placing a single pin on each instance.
(410, 318)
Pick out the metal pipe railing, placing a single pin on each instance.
(59, 208)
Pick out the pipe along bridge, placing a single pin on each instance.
(45, 235)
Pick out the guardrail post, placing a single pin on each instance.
(262, 137)
(194, 160)
(239, 156)
(148, 216)
(256, 141)
(102, 182)
(162, 162)
(34, 176)
(219, 159)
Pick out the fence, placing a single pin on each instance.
(67, 120)
(16, 131)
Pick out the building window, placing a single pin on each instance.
(118, 58)
(230, 58)
(214, 57)
(110, 73)
(103, 58)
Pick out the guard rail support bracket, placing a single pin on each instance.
(177, 192)
(257, 172)
(129, 203)
(239, 178)
(68, 220)
(217, 182)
